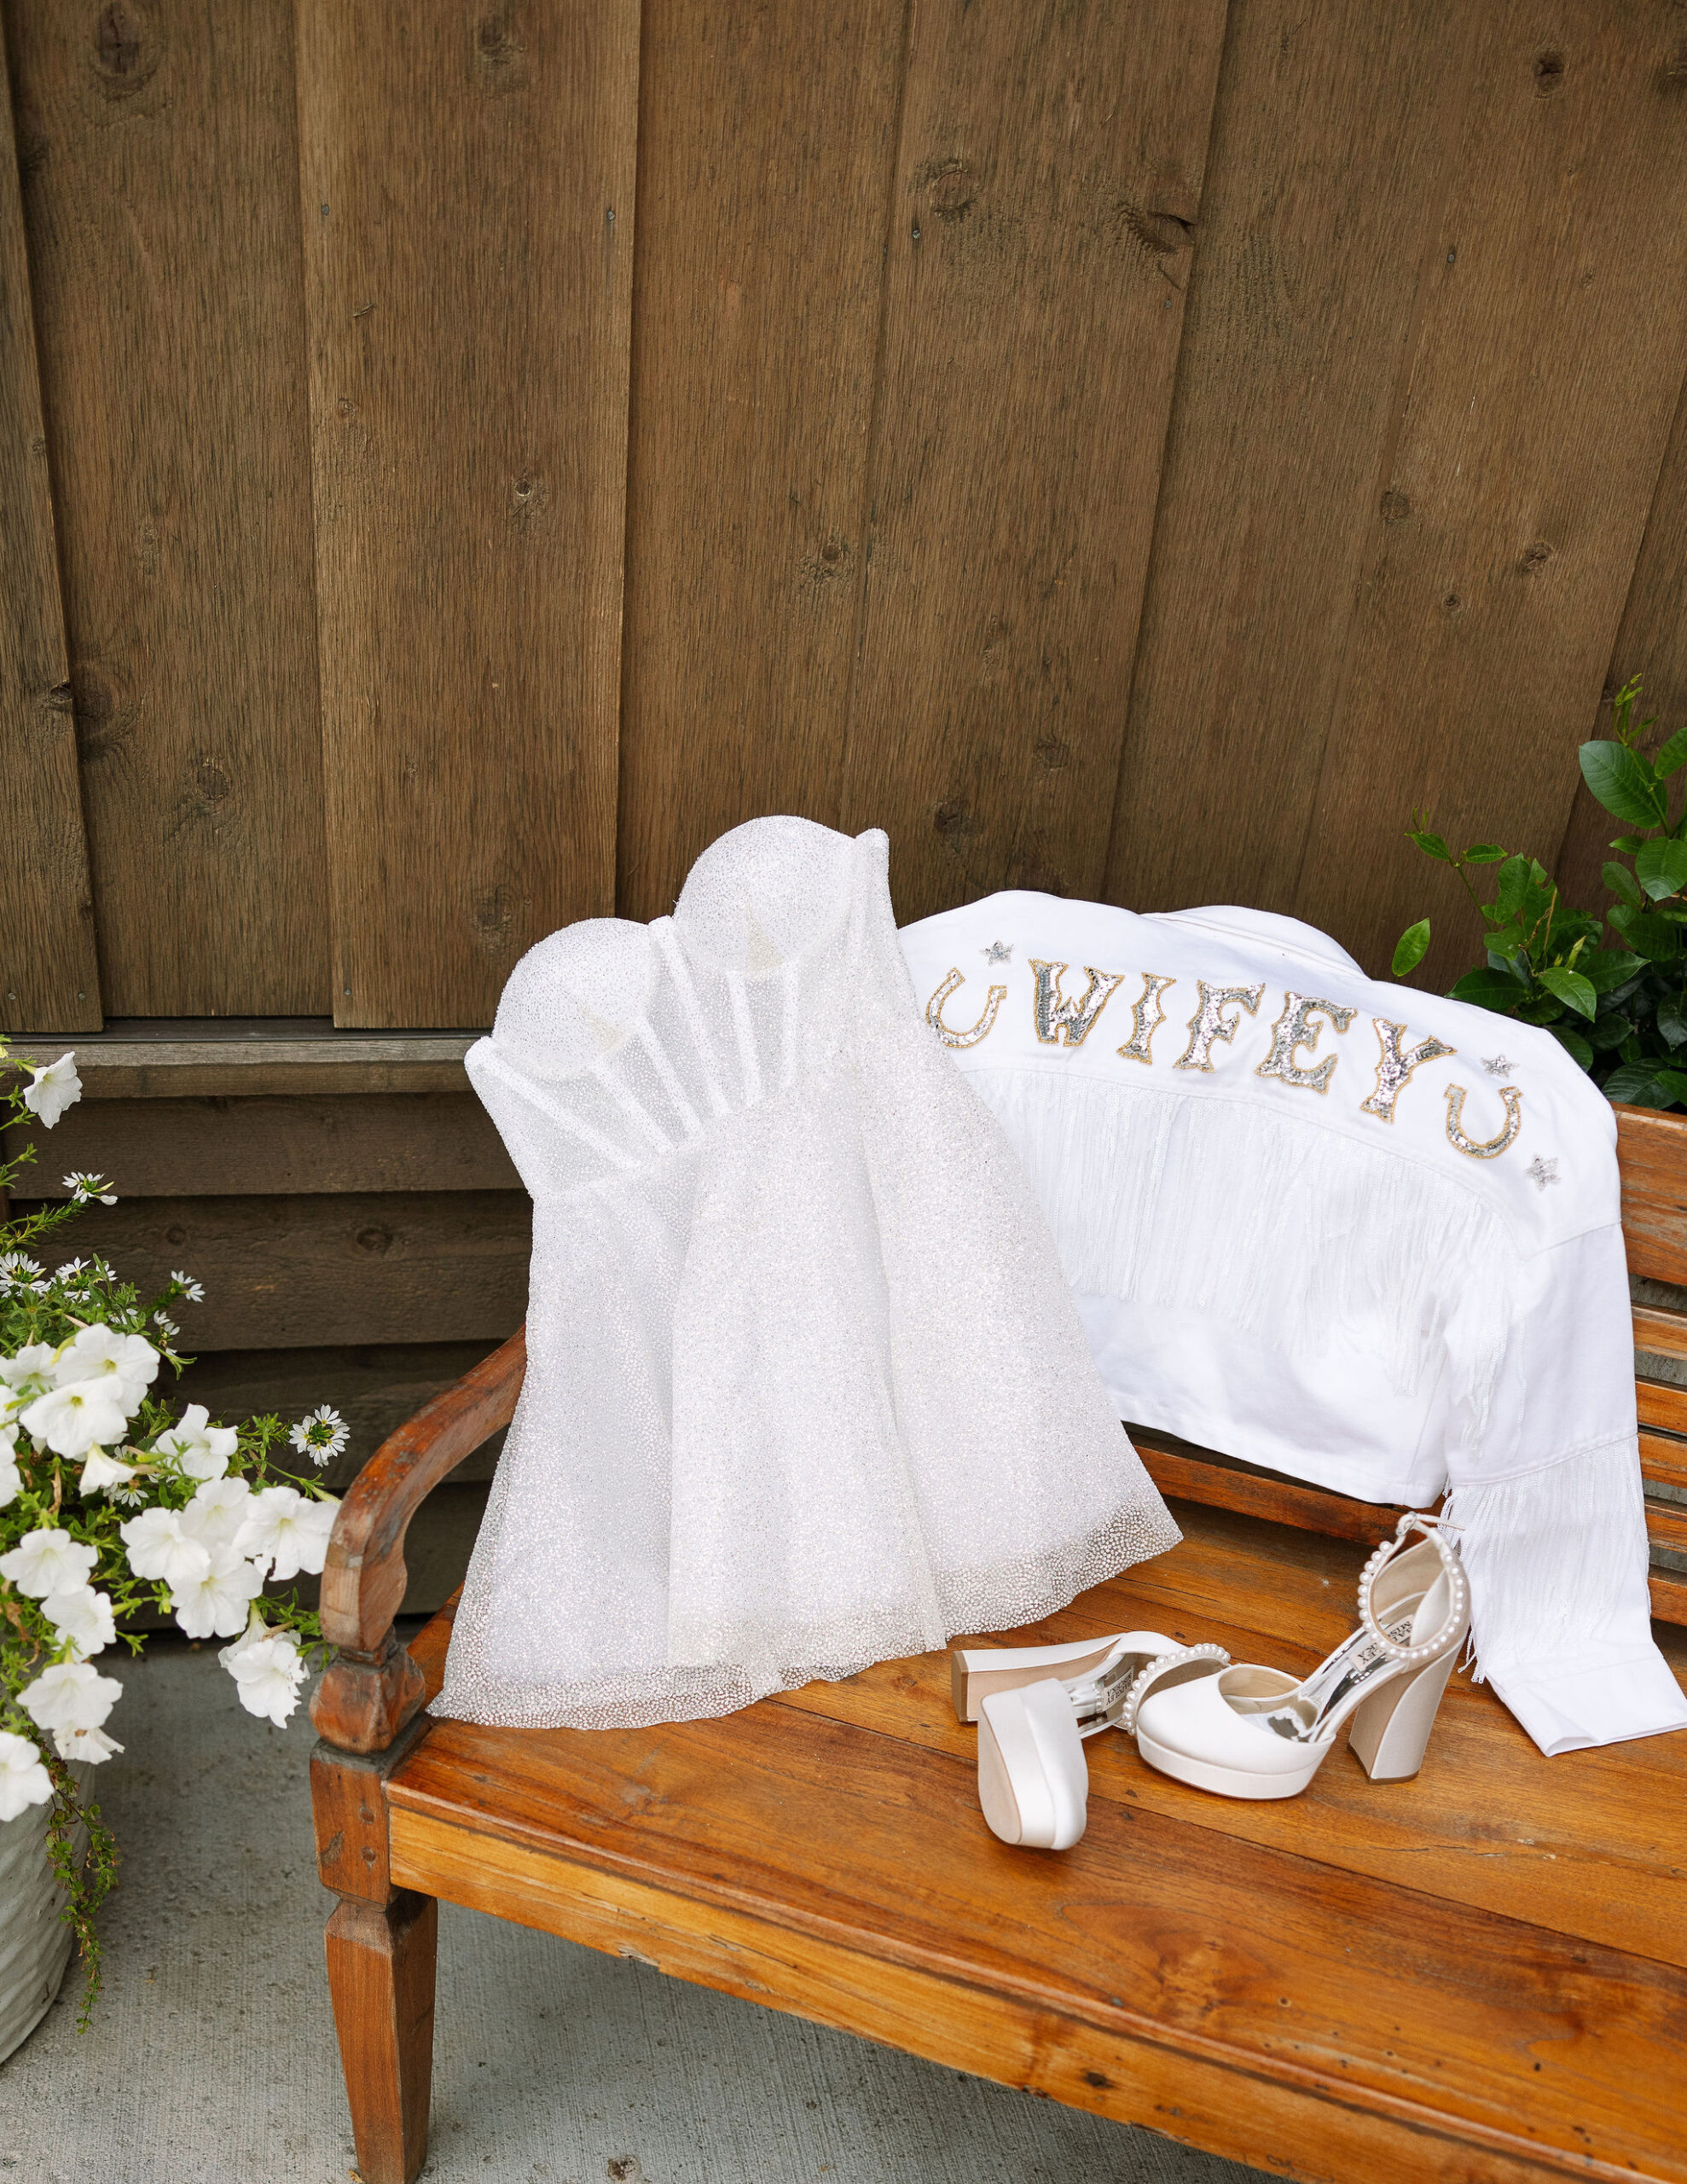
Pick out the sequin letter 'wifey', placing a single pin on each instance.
(1058, 1018)
(1394, 1064)
(1140, 1047)
(1293, 1029)
(1209, 1022)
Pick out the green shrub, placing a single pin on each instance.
(1621, 1011)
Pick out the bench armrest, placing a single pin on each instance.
(373, 1687)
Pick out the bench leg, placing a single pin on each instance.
(380, 1975)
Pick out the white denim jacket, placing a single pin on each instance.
(1356, 1233)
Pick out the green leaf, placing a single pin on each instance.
(1514, 885)
(1609, 1031)
(1490, 852)
(1571, 988)
(1672, 1017)
(1541, 1008)
(1631, 1081)
(1624, 783)
(1621, 881)
(1573, 1044)
(1673, 1081)
(1498, 960)
(1660, 867)
(1607, 968)
(1647, 934)
(1629, 843)
(1673, 755)
(1410, 947)
(1432, 845)
(1495, 989)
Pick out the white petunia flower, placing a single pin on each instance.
(286, 1532)
(189, 1288)
(83, 1615)
(52, 1089)
(70, 1695)
(23, 1779)
(83, 1188)
(216, 1513)
(101, 1472)
(213, 1605)
(100, 1353)
(321, 1436)
(25, 1374)
(70, 1420)
(268, 1672)
(48, 1560)
(195, 1446)
(11, 1478)
(159, 1550)
(89, 1745)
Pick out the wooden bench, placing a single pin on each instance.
(1478, 1974)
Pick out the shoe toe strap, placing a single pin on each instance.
(1176, 1667)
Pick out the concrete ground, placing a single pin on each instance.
(211, 2056)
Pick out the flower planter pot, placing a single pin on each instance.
(35, 1943)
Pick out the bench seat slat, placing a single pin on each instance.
(1344, 1934)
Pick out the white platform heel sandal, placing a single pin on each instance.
(976, 1671)
(1251, 1731)
(1034, 1705)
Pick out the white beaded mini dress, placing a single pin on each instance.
(805, 1387)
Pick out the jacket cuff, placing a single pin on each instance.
(1569, 1703)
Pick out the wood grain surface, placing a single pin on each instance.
(1649, 1154)
(300, 1272)
(1485, 618)
(48, 976)
(170, 1149)
(161, 167)
(375, 1386)
(467, 191)
(1249, 1936)
(1048, 191)
(1332, 135)
(766, 146)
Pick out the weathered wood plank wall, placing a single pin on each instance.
(159, 162)
(1137, 450)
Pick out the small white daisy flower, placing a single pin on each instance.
(167, 1328)
(321, 1436)
(189, 1288)
(82, 1188)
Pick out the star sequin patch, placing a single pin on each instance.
(997, 952)
(1542, 1173)
(1497, 1066)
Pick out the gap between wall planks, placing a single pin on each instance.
(48, 976)
(1483, 627)
(466, 184)
(1048, 183)
(1652, 642)
(160, 192)
(766, 145)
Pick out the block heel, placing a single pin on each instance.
(1390, 1731)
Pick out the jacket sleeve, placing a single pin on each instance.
(1547, 1497)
